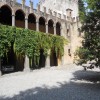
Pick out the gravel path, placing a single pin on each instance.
(66, 83)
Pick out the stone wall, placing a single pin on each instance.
(68, 25)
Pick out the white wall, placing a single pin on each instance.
(60, 6)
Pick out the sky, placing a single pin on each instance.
(27, 2)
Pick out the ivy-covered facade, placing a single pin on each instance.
(35, 37)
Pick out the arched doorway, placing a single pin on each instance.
(39, 61)
(58, 28)
(53, 58)
(32, 22)
(5, 15)
(42, 59)
(50, 27)
(42, 25)
(9, 61)
(20, 19)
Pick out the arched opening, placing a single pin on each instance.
(53, 59)
(39, 61)
(32, 22)
(42, 25)
(50, 27)
(42, 59)
(8, 61)
(79, 32)
(58, 28)
(12, 62)
(20, 19)
(5, 15)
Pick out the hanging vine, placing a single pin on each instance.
(28, 42)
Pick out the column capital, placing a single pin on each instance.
(37, 20)
(54, 26)
(46, 23)
(26, 18)
(13, 14)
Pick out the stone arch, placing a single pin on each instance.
(42, 59)
(42, 27)
(50, 26)
(58, 28)
(53, 58)
(20, 18)
(32, 21)
(6, 15)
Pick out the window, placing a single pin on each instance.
(79, 32)
(69, 52)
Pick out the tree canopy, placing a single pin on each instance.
(90, 49)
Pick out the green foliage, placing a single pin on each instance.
(6, 38)
(28, 42)
(91, 29)
(82, 10)
(82, 55)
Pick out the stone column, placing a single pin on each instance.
(54, 29)
(26, 22)
(13, 20)
(47, 63)
(26, 64)
(37, 25)
(46, 28)
(62, 60)
(61, 31)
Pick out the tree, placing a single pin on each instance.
(90, 49)
(81, 10)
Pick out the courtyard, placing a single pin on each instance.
(68, 82)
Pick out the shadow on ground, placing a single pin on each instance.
(89, 76)
(84, 86)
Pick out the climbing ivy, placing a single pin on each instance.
(28, 42)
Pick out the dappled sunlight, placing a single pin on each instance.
(51, 84)
(45, 79)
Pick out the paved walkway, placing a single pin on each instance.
(67, 83)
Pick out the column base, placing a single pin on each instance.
(26, 64)
(47, 65)
(27, 70)
(0, 73)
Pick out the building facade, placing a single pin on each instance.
(58, 17)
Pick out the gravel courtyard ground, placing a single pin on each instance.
(63, 83)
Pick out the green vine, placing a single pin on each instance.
(28, 42)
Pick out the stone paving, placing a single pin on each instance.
(63, 83)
